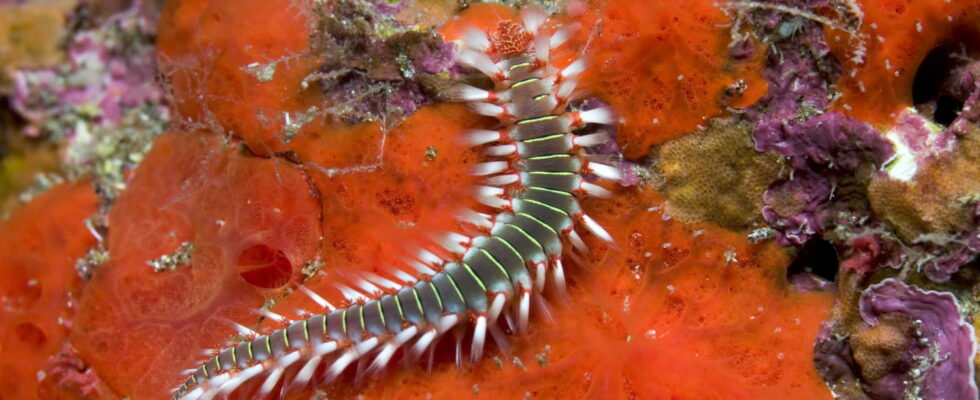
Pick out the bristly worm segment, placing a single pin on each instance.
(533, 183)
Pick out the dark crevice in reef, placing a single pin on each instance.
(817, 257)
(945, 78)
(929, 89)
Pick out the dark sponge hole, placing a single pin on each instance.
(934, 88)
(265, 267)
(30, 335)
(947, 109)
(817, 257)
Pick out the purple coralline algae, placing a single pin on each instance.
(110, 72)
(378, 68)
(942, 268)
(890, 199)
(938, 363)
(824, 149)
(104, 106)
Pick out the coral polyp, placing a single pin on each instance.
(427, 199)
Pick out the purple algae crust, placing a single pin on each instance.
(941, 355)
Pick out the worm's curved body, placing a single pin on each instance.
(533, 182)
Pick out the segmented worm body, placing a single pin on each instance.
(533, 184)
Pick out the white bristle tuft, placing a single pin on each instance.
(421, 268)
(478, 61)
(566, 88)
(558, 274)
(381, 281)
(477, 137)
(489, 191)
(562, 35)
(539, 277)
(210, 393)
(289, 359)
(193, 394)
(270, 315)
(367, 345)
(366, 286)
(490, 168)
(475, 218)
(496, 307)
(494, 201)
(244, 330)
(244, 376)
(591, 140)
(325, 348)
(605, 171)
(423, 343)
(488, 109)
(542, 49)
(218, 380)
(596, 229)
(384, 356)
(429, 257)
(463, 92)
(303, 314)
(446, 322)
(403, 276)
(503, 180)
(320, 301)
(595, 190)
(573, 69)
(381, 360)
(500, 338)
(479, 337)
(476, 39)
(601, 115)
(270, 381)
(577, 241)
(339, 365)
(306, 373)
(350, 294)
(533, 18)
(501, 150)
(523, 312)
(452, 242)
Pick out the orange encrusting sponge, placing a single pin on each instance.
(40, 244)
(897, 36)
